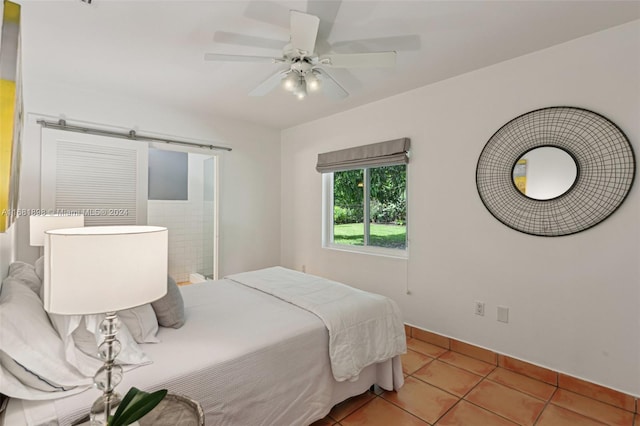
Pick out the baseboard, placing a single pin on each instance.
(560, 380)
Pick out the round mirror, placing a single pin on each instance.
(545, 173)
(597, 176)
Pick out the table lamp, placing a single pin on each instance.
(104, 269)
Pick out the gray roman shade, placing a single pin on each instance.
(387, 153)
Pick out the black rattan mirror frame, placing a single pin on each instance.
(604, 157)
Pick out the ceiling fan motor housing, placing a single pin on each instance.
(302, 66)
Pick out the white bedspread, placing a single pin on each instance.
(364, 328)
(246, 356)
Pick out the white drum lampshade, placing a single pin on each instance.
(102, 269)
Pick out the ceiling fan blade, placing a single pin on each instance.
(360, 60)
(330, 87)
(240, 58)
(269, 84)
(245, 40)
(304, 30)
(326, 11)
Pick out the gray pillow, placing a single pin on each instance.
(141, 322)
(169, 309)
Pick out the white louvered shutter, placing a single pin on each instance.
(104, 178)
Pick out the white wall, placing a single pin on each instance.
(573, 300)
(249, 175)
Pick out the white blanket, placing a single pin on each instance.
(364, 328)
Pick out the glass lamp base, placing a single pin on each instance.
(98, 409)
(109, 375)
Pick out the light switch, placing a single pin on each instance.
(503, 314)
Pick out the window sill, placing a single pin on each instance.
(368, 250)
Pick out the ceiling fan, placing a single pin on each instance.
(305, 71)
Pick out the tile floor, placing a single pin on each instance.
(446, 388)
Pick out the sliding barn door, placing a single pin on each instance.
(104, 178)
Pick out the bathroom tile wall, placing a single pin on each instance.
(186, 224)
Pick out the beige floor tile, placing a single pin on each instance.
(593, 409)
(467, 414)
(422, 400)
(506, 402)
(412, 361)
(425, 348)
(513, 393)
(478, 367)
(558, 416)
(448, 377)
(379, 412)
(522, 383)
(342, 410)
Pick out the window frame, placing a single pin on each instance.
(328, 223)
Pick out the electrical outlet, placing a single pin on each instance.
(503, 314)
(479, 308)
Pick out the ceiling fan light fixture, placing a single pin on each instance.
(313, 82)
(301, 90)
(291, 82)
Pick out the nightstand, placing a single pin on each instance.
(173, 410)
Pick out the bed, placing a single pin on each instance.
(251, 358)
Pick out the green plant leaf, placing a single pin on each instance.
(124, 403)
(137, 406)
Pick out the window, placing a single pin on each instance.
(168, 175)
(365, 197)
(367, 209)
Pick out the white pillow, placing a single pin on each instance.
(32, 351)
(39, 268)
(26, 376)
(141, 322)
(81, 335)
(26, 274)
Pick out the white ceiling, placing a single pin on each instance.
(154, 49)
